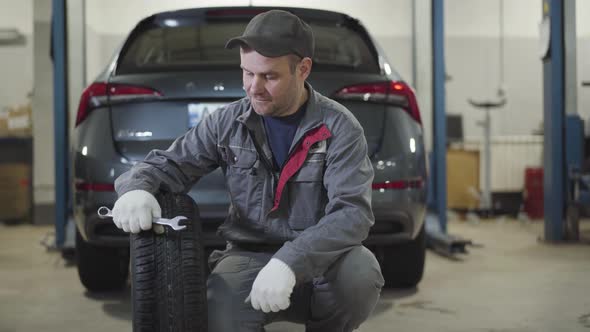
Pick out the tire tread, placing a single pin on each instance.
(168, 273)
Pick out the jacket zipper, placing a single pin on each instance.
(265, 161)
(268, 165)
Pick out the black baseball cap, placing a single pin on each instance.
(276, 33)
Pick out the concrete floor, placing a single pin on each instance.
(511, 283)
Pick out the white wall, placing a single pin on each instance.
(43, 129)
(472, 57)
(424, 66)
(474, 65)
(16, 80)
(480, 17)
(76, 57)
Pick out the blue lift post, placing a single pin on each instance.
(439, 165)
(60, 117)
(436, 220)
(554, 115)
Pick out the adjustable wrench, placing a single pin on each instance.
(104, 212)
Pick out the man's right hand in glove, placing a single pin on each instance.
(135, 211)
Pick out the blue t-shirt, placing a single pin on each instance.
(280, 132)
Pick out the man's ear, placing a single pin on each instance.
(305, 67)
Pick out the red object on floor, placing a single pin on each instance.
(533, 194)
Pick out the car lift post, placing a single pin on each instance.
(439, 169)
(60, 97)
(558, 39)
(436, 223)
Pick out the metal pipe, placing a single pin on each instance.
(501, 50)
(487, 189)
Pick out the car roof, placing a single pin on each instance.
(249, 11)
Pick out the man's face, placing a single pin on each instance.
(269, 83)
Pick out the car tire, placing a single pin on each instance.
(403, 264)
(168, 281)
(101, 268)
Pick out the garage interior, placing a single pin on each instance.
(503, 90)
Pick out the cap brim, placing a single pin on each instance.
(261, 45)
(236, 41)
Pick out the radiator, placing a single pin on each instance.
(511, 155)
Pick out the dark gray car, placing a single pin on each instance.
(173, 69)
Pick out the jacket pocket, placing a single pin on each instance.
(307, 196)
(241, 157)
(244, 183)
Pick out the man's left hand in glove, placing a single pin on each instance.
(272, 287)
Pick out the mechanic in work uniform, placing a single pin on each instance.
(299, 179)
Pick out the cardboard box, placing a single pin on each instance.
(20, 121)
(16, 121)
(4, 124)
(15, 191)
(462, 179)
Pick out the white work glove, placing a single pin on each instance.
(272, 287)
(135, 210)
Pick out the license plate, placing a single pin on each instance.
(197, 112)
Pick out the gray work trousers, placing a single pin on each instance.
(340, 300)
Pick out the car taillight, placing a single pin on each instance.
(399, 185)
(393, 93)
(86, 186)
(91, 98)
(100, 93)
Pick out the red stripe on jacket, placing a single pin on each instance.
(298, 158)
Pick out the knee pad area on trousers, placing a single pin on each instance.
(358, 276)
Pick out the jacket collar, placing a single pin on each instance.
(313, 116)
(312, 119)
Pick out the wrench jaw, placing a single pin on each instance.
(177, 223)
(175, 227)
(181, 222)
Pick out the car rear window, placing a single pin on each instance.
(202, 46)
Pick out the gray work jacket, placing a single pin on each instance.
(319, 205)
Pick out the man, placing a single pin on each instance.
(299, 179)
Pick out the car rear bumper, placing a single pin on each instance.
(401, 228)
(399, 215)
(103, 232)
